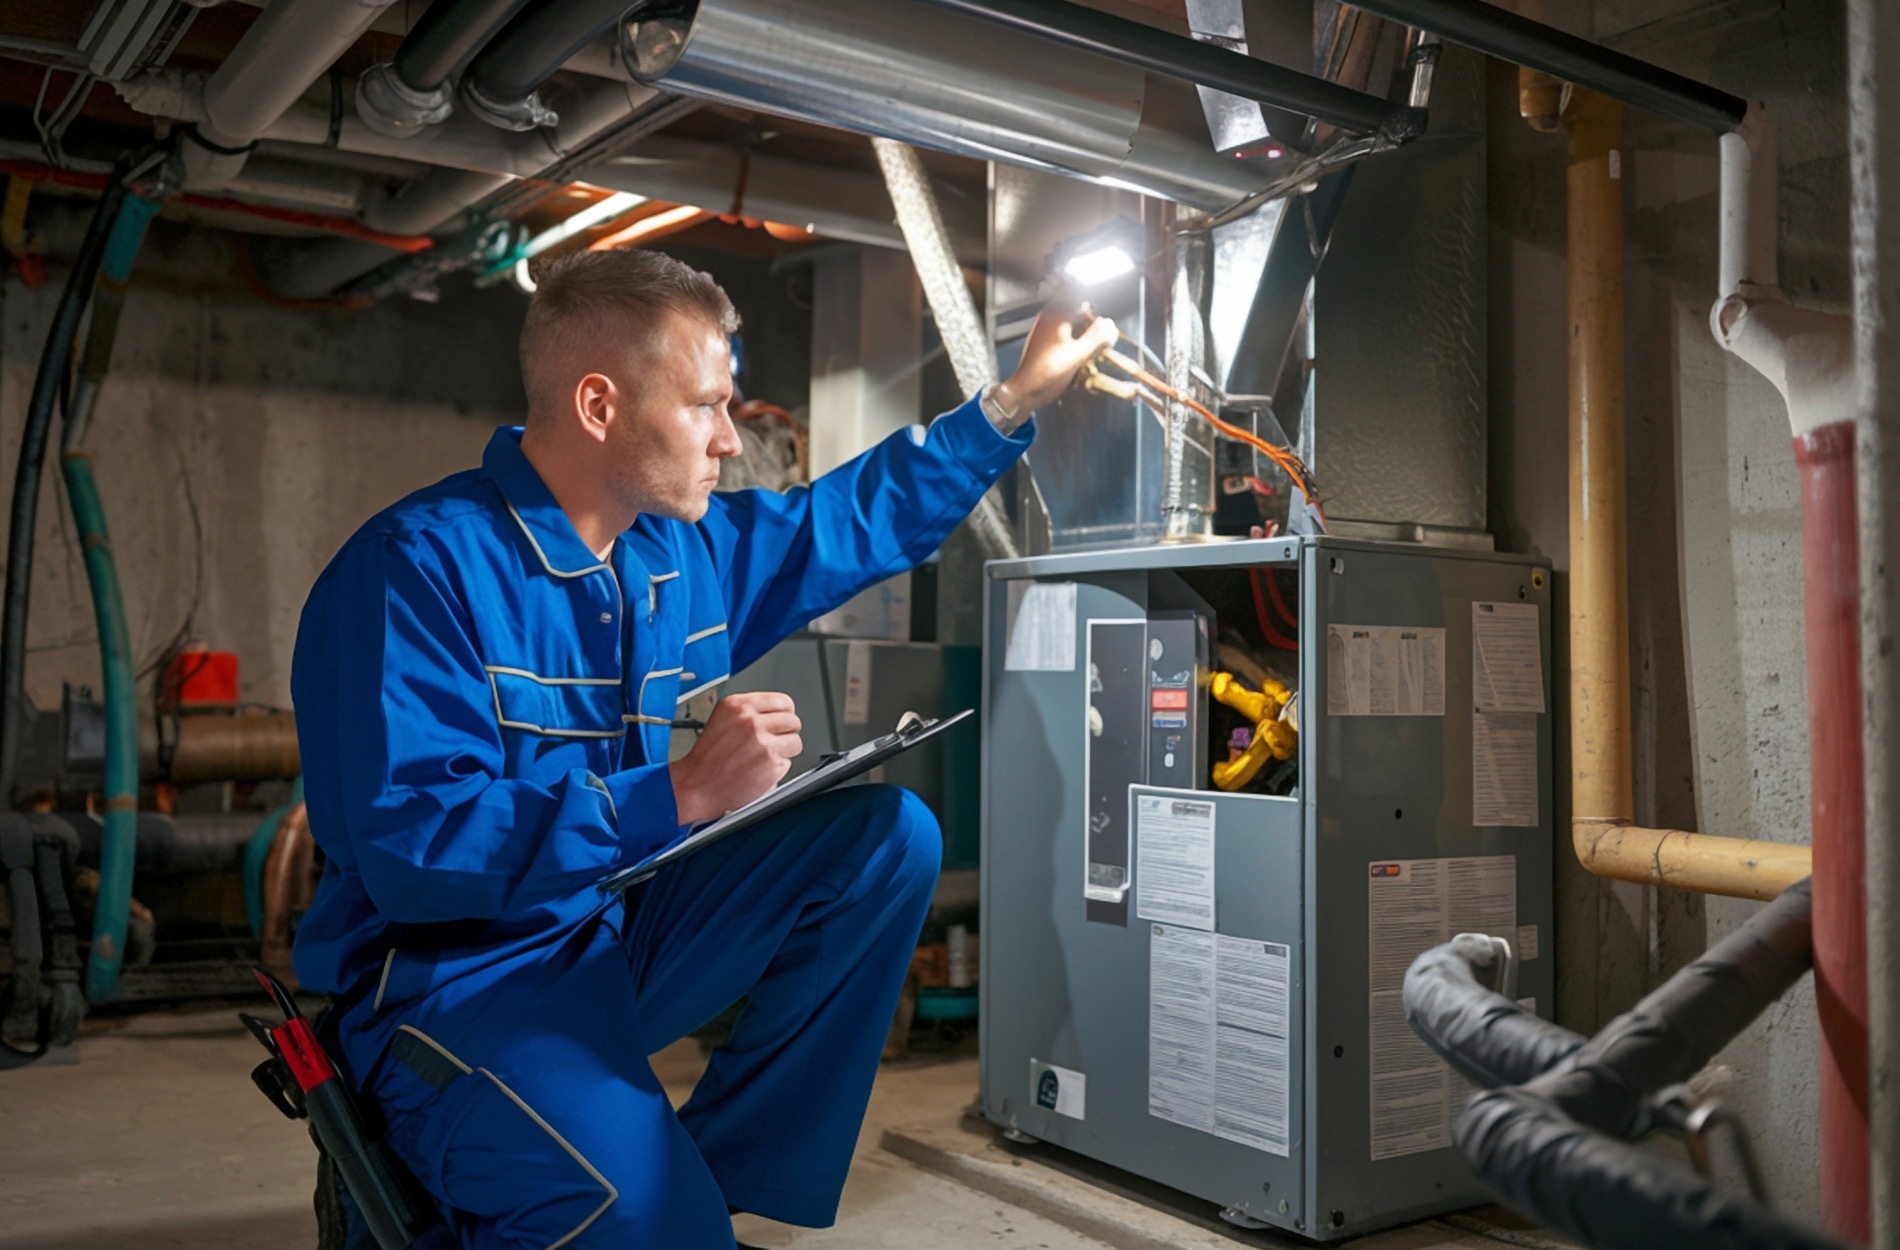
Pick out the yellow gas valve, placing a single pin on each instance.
(1274, 736)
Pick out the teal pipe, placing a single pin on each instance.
(119, 847)
(257, 851)
(120, 842)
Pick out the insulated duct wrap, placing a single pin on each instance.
(1487, 1038)
(965, 340)
(912, 71)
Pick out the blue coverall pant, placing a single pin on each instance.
(531, 1114)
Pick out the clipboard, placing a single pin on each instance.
(832, 770)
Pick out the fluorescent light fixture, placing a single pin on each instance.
(1099, 265)
(596, 214)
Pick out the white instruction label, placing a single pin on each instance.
(1507, 659)
(857, 683)
(1504, 768)
(1041, 627)
(1181, 1027)
(1252, 982)
(1061, 1090)
(1174, 845)
(1384, 670)
(1412, 906)
(1526, 943)
(1218, 1026)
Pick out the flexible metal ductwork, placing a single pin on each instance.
(909, 70)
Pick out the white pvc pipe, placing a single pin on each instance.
(1750, 176)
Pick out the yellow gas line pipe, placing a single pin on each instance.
(1608, 842)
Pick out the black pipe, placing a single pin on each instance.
(1203, 64)
(536, 43)
(448, 33)
(1554, 1146)
(1606, 1193)
(1670, 1035)
(55, 363)
(1487, 1038)
(1521, 41)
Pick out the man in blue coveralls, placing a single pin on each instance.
(484, 680)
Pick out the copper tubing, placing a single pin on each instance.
(288, 889)
(1831, 553)
(1607, 840)
(234, 748)
(1540, 100)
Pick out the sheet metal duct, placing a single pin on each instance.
(911, 71)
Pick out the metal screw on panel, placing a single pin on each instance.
(1338, 565)
(1283, 1206)
(1267, 1187)
(1339, 1219)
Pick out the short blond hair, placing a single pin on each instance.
(625, 295)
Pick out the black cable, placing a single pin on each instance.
(336, 108)
(55, 362)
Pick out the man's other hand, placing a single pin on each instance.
(749, 743)
(1053, 355)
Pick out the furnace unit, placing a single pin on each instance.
(1202, 987)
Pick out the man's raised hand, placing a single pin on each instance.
(748, 745)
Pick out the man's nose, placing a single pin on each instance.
(725, 441)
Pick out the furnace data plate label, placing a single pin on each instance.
(1411, 906)
(1040, 623)
(1504, 769)
(1174, 867)
(1219, 1058)
(1507, 658)
(1385, 670)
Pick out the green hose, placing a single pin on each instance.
(119, 844)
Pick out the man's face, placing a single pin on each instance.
(664, 449)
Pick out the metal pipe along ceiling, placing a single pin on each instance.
(912, 71)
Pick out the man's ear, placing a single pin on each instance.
(596, 399)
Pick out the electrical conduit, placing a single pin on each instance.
(119, 845)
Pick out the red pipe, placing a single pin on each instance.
(1831, 551)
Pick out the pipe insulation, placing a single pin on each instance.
(287, 48)
(1487, 1038)
(965, 339)
(1555, 1145)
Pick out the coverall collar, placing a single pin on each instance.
(552, 536)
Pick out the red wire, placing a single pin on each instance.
(34, 171)
(1274, 637)
(1279, 604)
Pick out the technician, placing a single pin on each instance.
(484, 680)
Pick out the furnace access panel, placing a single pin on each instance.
(1201, 986)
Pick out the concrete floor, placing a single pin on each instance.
(156, 1138)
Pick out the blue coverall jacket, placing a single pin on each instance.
(463, 672)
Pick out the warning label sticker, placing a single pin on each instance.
(1384, 670)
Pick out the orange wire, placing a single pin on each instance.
(1288, 462)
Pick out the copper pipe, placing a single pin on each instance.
(288, 889)
(1607, 840)
(256, 747)
(1540, 100)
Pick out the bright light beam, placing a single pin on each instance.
(1099, 265)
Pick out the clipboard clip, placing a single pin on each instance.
(909, 725)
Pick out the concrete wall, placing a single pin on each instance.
(1718, 673)
(239, 444)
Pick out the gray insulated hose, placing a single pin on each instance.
(1551, 1138)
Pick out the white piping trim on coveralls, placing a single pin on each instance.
(494, 688)
(382, 984)
(696, 691)
(641, 703)
(543, 556)
(653, 589)
(704, 633)
(613, 1195)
